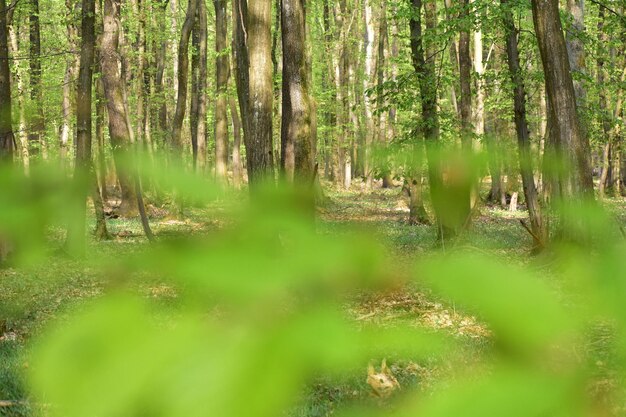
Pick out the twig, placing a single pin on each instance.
(9, 403)
(538, 241)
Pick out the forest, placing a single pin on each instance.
(310, 208)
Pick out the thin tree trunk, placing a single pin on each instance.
(454, 60)
(466, 198)
(521, 127)
(21, 91)
(222, 74)
(160, 62)
(201, 133)
(82, 168)
(7, 140)
(603, 107)
(183, 69)
(195, 97)
(101, 167)
(36, 129)
(369, 78)
(237, 168)
(241, 61)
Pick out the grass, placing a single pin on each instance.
(30, 298)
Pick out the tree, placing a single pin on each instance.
(7, 140)
(425, 71)
(296, 134)
(199, 87)
(119, 130)
(37, 123)
(521, 126)
(258, 140)
(222, 74)
(183, 69)
(76, 231)
(569, 139)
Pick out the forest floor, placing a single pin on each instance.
(31, 298)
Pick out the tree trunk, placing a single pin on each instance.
(222, 73)
(160, 62)
(258, 140)
(119, 129)
(82, 168)
(241, 61)
(198, 88)
(66, 102)
(201, 134)
(521, 127)
(101, 166)
(576, 48)
(369, 79)
(425, 70)
(466, 198)
(237, 168)
(18, 81)
(36, 129)
(571, 142)
(605, 116)
(454, 59)
(465, 64)
(296, 132)
(183, 69)
(7, 140)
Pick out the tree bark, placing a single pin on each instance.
(296, 130)
(521, 127)
(68, 78)
(183, 69)
(259, 151)
(237, 168)
(119, 129)
(7, 140)
(222, 74)
(199, 84)
(160, 56)
(369, 80)
(605, 116)
(576, 48)
(36, 129)
(465, 64)
(425, 70)
(82, 167)
(571, 142)
(18, 82)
